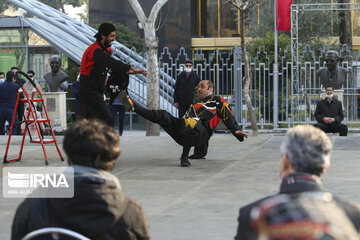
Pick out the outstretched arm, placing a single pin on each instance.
(134, 70)
(224, 112)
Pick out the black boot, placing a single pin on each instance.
(184, 161)
(184, 156)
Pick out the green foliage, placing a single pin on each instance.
(268, 44)
(127, 37)
(314, 26)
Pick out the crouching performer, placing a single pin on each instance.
(197, 125)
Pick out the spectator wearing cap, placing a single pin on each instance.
(305, 157)
(8, 94)
(95, 63)
(184, 88)
(99, 208)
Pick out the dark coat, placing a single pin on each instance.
(98, 210)
(184, 87)
(245, 230)
(95, 62)
(121, 81)
(326, 109)
(8, 94)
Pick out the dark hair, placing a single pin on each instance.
(31, 71)
(14, 68)
(104, 29)
(92, 143)
(188, 61)
(9, 76)
(2, 73)
(329, 87)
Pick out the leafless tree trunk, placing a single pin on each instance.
(151, 45)
(243, 6)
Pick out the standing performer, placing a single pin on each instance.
(95, 63)
(197, 125)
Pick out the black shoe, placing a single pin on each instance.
(184, 162)
(196, 157)
(126, 101)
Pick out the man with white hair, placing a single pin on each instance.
(305, 157)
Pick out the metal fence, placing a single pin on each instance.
(226, 70)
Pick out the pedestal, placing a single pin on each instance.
(55, 103)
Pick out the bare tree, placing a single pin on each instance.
(244, 6)
(151, 45)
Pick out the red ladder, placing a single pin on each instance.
(34, 120)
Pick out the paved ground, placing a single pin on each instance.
(200, 202)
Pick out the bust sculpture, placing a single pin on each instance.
(56, 79)
(332, 75)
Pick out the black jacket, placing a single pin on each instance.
(210, 111)
(184, 87)
(95, 63)
(119, 82)
(98, 210)
(326, 109)
(246, 231)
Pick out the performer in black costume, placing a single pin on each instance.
(197, 125)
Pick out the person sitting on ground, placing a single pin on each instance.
(8, 95)
(99, 208)
(196, 127)
(305, 159)
(329, 114)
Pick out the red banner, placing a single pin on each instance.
(283, 16)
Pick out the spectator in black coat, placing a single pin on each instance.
(329, 114)
(184, 88)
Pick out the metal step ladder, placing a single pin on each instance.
(31, 118)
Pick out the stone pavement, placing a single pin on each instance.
(200, 202)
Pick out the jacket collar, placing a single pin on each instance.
(300, 182)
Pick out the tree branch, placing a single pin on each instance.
(243, 5)
(138, 11)
(155, 10)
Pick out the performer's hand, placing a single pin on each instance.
(238, 132)
(134, 70)
(142, 71)
(176, 105)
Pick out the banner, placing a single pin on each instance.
(283, 16)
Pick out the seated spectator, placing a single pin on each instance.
(8, 95)
(2, 77)
(99, 208)
(329, 114)
(28, 87)
(305, 159)
(309, 215)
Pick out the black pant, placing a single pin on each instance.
(334, 127)
(183, 107)
(95, 107)
(185, 136)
